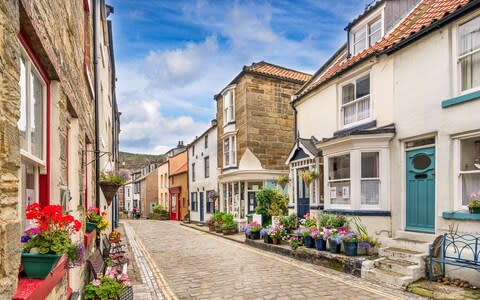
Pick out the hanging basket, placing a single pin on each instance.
(109, 190)
(308, 176)
(282, 180)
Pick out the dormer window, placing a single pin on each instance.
(366, 34)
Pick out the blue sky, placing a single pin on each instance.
(173, 56)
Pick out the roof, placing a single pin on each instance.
(270, 70)
(213, 126)
(305, 145)
(361, 131)
(428, 15)
(368, 9)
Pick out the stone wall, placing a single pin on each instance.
(9, 147)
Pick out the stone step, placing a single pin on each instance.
(404, 267)
(406, 243)
(403, 254)
(388, 278)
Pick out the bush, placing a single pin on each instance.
(218, 218)
(157, 208)
(228, 222)
(332, 221)
(271, 202)
(290, 222)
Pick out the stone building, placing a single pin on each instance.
(149, 192)
(163, 184)
(47, 126)
(255, 132)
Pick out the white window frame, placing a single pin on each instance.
(326, 170)
(457, 184)
(364, 25)
(228, 108)
(355, 102)
(206, 166)
(457, 75)
(193, 172)
(232, 151)
(379, 179)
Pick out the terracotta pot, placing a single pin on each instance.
(276, 241)
(211, 227)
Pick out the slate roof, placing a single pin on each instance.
(428, 15)
(361, 131)
(310, 145)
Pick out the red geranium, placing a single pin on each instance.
(51, 218)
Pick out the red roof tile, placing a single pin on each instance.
(424, 15)
(278, 71)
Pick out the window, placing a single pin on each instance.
(193, 172)
(193, 150)
(356, 100)
(206, 141)
(229, 152)
(366, 35)
(469, 54)
(228, 107)
(206, 166)
(339, 179)
(210, 201)
(469, 170)
(370, 179)
(194, 201)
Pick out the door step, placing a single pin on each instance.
(388, 278)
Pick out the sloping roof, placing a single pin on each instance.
(277, 71)
(270, 70)
(183, 168)
(428, 15)
(390, 128)
(310, 145)
(306, 147)
(368, 9)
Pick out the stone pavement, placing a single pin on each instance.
(196, 265)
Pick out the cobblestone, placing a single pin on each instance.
(196, 265)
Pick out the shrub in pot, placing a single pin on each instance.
(308, 241)
(228, 226)
(474, 206)
(218, 221)
(277, 233)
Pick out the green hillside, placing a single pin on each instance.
(134, 161)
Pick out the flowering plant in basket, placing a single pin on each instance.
(277, 232)
(253, 227)
(103, 288)
(94, 216)
(309, 221)
(53, 232)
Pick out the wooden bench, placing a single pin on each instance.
(457, 250)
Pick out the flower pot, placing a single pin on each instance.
(211, 227)
(350, 248)
(309, 242)
(334, 247)
(255, 235)
(229, 231)
(267, 239)
(474, 210)
(276, 241)
(370, 251)
(89, 227)
(218, 229)
(321, 244)
(39, 265)
(109, 190)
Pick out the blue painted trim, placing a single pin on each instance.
(373, 213)
(316, 207)
(461, 99)
(347, 131)
(460, 215)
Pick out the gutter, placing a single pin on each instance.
(295, 113)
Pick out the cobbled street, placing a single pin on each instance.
(189, 264)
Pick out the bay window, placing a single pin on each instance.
(228, 106)
(355, 100)
(229, 152)
(469, 173)
(339, 179)
(370, 178)
(469, 54)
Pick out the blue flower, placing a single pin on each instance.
(25, 238)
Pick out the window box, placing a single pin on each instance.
(36, 265)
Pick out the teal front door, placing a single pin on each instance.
(421, 190)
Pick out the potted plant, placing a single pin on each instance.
(252, 230)
(264, 234)
(229, 227)
(320, 243)
(96, 220)
(350, 243)
(282, 180)
(277, 233)
(211, 223)
(46, 243)
(308, 241)
(309, 221)
(369, 246)
(104, 288)
(308, 176)
(290, 223)
(110, 183)
(218, 220)
(474, 206)
(295, 242)
(114, 237)
(186, 218)
(334, 238)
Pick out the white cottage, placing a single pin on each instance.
(394, 115)
(202, 175)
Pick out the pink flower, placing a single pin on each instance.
(96, 282)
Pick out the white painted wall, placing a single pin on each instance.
(202, 184)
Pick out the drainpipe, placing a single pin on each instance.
(295, 133)
(97, 108)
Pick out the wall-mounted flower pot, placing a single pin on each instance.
(89, 227)
(321, 244)
(334, 247)
(474, 210)
(350, 248)
(37, 265)
(109, 190)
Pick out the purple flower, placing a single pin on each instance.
(25, 238)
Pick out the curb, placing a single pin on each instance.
(227, 237)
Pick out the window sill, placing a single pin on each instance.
(229, 123)
(460, 215)
(372, 213)
(461, 99)
(31, 289)
(317, 207)
(230, 168)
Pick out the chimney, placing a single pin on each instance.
(214, 122)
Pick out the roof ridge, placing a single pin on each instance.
(262, 62)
